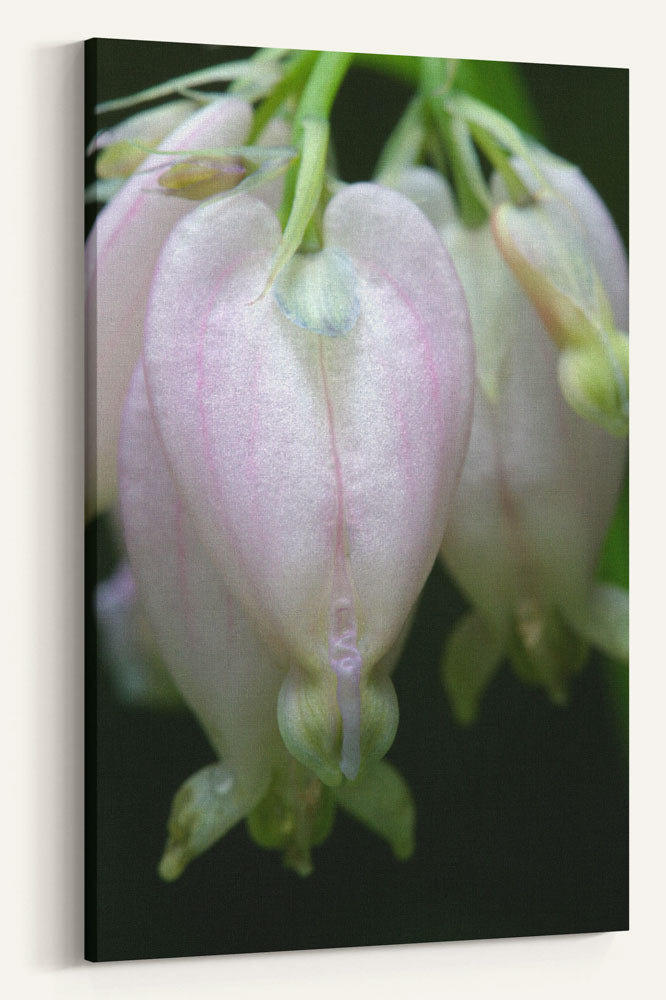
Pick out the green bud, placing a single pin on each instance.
(594, 382)
(547, 249)
(199, 178)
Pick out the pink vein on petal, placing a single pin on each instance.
(430, 366)
(344, 657)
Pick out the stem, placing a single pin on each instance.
(245, 70)
(323, 85)
(315, 105)
(473, 197)
(291, 82)
(518, 191)
(404, 145)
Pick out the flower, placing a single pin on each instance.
(287, 462)
(540, 483)
(551, 245)
(121, 253)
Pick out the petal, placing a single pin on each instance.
(319, 470)
(381, 800)
(127, 645)
(120, 257)
(225, 673)
(430, 192)
(540, 483)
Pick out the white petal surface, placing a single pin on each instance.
(215, 657)
(276, 434)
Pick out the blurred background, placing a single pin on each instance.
(522, 820)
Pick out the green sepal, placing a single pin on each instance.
(545, 650)
(296, 814)
(381, 800)
(319, 292)
(472, 654)
(204, 808)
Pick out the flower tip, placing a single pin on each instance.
(594, 383)
(174, 861)
(404, 849)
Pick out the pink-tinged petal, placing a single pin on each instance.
(539, 483)
(400, 390)
(215, 657)
(604, 240)
(120, 258)
(430, 192)
(318, 469)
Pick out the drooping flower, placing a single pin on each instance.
(540, 483)
(285, 480)
(121, 253)
(552, 246)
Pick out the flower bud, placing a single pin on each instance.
(201, 177)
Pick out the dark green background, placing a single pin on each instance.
(522, 820)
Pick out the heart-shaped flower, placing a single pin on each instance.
(540, 483)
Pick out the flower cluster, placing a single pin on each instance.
(305, 391)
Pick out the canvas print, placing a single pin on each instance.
(357, 410)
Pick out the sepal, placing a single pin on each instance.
(204, 808)
(381, 800)
(472, 654)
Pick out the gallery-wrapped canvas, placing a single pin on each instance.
(357, 412)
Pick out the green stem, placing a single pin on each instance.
(243, 71)
(518, 190)
(404, 145)
(292, 82)
(315, 105)
(473, 198)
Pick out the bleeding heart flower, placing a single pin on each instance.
(540, 483)
(285, 482)
(318, 469)
(122, 251)
(557, 247)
